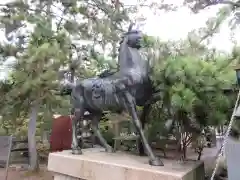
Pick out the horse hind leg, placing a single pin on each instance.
(146, 110)
(76, 149)
(95, 124)
(78, 104)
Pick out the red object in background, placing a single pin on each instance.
(61, 135)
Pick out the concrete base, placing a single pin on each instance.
(95, 164)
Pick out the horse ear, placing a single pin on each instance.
(130, 26)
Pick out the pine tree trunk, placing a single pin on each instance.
(32, 149)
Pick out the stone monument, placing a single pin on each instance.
(120, 91)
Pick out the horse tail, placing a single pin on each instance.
(67, 88)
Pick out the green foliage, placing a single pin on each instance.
(192, 76)
(106, 130)
(40, 53)
(148, 41)
(191, 84)
(43, 51)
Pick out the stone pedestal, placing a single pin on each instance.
(95, 164)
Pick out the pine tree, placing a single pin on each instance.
(42, 52)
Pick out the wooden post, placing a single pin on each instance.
(8, 158)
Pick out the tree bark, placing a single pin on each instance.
(32, 149)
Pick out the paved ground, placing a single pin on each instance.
(17, 174)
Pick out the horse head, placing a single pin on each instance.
(129, 54)
(132, 38)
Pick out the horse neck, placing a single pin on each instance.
(124, 57)
(130, 58)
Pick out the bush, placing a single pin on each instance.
(108, 135)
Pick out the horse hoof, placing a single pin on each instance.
(142, 154)
(76, 151)
(156, 162)
(109, 150)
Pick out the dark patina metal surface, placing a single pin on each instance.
(121, 91)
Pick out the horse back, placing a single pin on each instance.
(100, 93)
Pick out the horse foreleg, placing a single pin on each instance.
(95, 123)
(75, 144)
(131, 105)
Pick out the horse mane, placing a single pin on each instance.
(106, 73)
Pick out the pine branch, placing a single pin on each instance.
(28, 8)
(212, 3)
(200, 5)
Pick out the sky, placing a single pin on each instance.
(175, 25)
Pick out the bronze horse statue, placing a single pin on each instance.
(129, 87)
